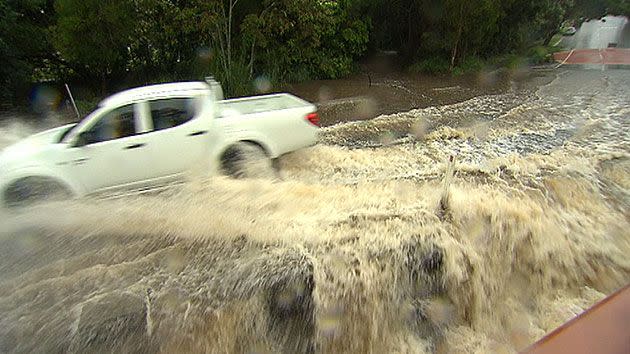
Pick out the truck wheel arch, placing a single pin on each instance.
(229, 158)
(229, 150)
(34, 187)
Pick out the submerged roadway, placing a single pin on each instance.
(598, 42)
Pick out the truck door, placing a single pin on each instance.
(109, 152)
(179, 136)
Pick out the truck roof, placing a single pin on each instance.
(181, 89)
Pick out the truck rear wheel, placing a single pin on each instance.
(247, 160)
(31, 190)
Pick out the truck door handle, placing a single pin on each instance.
(80, 161)
(135, 146)
(201, 132)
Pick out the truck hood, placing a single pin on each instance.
(32, 145)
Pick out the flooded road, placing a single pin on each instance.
(473, 227)
(600, 33)
(384, 86)
(368, 95)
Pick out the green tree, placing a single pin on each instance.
(598, 8)
(619, 7)
(447, 32)
(94, 37)
(13, 69)
(165, 38)
(24, 47)
(550, 16)
(229, 57)
(470, 26)
(299, 39)
(176, 40)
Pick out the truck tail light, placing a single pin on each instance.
(313, 118)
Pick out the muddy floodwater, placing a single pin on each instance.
(475, 227)
(383, 87)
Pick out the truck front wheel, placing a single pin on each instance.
(247, 160)
(30, 190)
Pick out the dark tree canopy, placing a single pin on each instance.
(111, 44)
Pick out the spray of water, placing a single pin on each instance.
(476, 227)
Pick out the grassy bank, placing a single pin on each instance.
(439, 65)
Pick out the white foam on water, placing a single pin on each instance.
(361, 247)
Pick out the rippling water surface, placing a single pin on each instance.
(474, 227)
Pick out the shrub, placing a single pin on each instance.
(433, 65)
(469, 65)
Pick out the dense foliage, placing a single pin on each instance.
(111, 44)
(298, 39)
(24, 48)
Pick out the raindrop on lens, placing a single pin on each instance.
(205, 54)
(45, 99)
(325, 94)
(330, 322)
(262, 84)
(419, 129)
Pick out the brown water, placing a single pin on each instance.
(383, 87)
(372, 242)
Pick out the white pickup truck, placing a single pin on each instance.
(153, 136)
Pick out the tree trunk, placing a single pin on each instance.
(229, 32)
(459, 36)
(251, 60)
(413, 34)
(103, 84)
(454, 55)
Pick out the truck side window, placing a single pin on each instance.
(169, 113)
(116, 124)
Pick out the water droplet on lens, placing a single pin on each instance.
(366, 108)
(262, 84)
(175, 262)
(387, 138)
(330, 322)
(325, 94)
(419, 129)
(205, 54)
(45, 98)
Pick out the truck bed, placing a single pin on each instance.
(257, 104)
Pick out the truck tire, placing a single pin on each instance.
(247, 160)
(32, 190)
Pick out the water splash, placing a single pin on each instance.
(352, 251)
